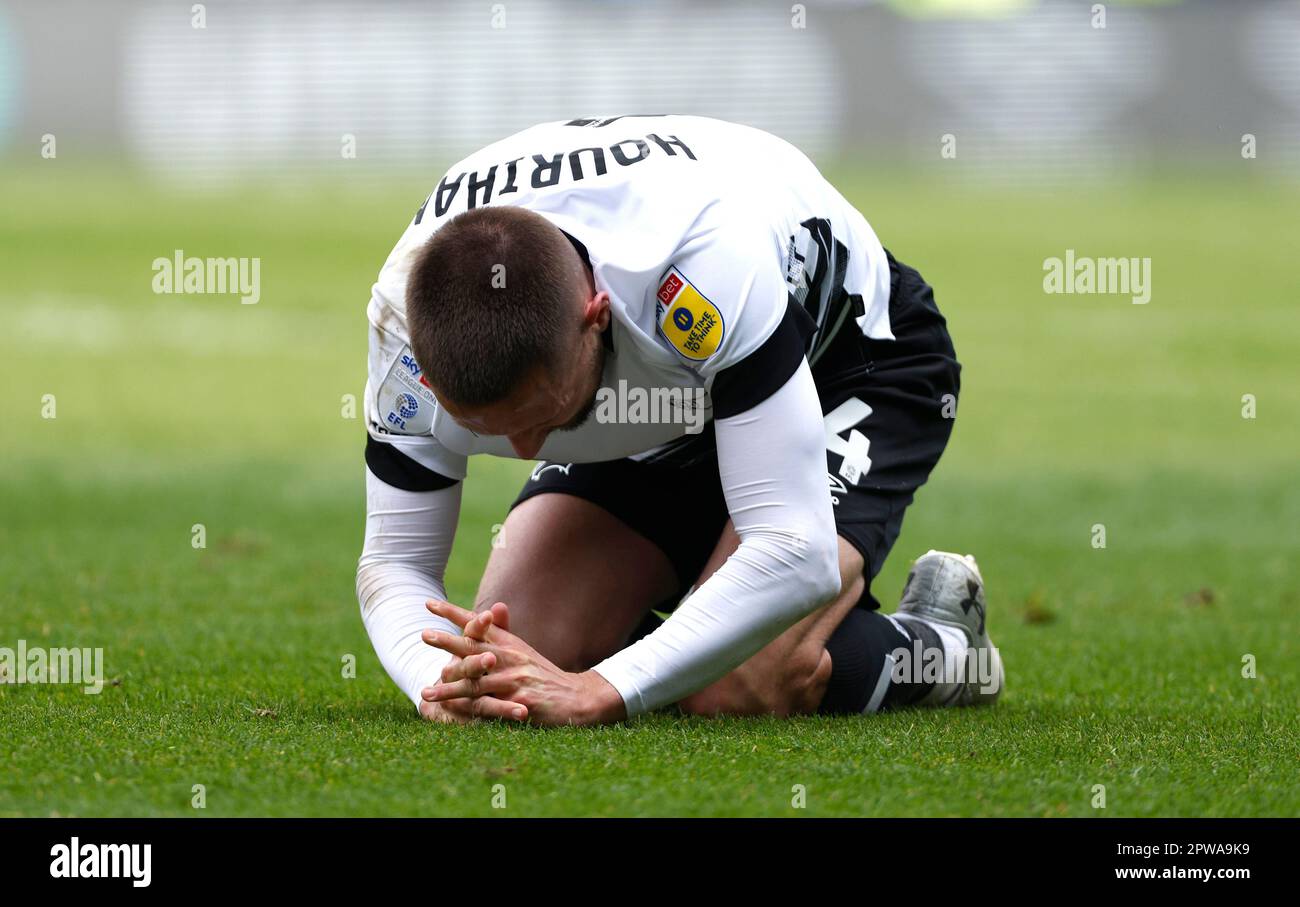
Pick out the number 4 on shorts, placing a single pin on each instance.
(854, 449)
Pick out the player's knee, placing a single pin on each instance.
(809, 666)
(853, 585)
(560, 644)
(810, 671)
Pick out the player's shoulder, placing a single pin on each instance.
(722, 292)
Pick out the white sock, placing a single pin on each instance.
(954, 646)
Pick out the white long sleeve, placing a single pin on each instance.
(408, 541)
(772, 462)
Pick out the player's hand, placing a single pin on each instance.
(465, 710)
(455, 712)
(498, 666)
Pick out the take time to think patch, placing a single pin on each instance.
(688, 321)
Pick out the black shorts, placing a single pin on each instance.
(911, 385)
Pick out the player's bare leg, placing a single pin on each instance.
(789, 675)
(942, 611)
(576, 578)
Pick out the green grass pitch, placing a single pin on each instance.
(1125, 664)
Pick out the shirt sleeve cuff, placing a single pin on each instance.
(621, 679)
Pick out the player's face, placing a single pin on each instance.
(546, 403)
(549, 401)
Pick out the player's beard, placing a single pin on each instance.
(598, 370)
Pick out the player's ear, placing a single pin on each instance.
(595, 311)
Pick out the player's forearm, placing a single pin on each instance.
(773, 471)
(394, 613)
(762, 590)
(408, 541)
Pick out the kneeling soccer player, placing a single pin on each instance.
(732, 391)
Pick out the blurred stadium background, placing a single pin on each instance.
(1031, 87)
(979, 137)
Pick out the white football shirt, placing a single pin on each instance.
(704, 233)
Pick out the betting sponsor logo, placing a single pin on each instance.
(687, 319)
(413, 368)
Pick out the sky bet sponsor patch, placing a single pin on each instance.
(691, 323)
(405, 402)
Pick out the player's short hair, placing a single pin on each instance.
(489, 298)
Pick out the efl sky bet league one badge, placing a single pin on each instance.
(405, 401)
(688, 321)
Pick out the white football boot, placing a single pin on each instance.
(947, 589)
